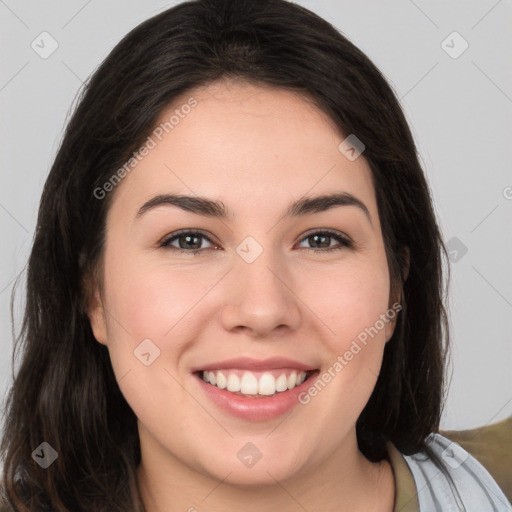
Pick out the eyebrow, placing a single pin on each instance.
(216, 209)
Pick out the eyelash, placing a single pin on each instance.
(344, 242)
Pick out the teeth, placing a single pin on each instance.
(249, 384)
(281, 383)
(265, 384)
(292, 380)
(222, 382)
(233, 383)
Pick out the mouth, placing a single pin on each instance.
(255, 394)
(255, 384)
(254, 389)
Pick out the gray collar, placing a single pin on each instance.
(449, 479)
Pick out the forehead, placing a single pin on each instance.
(249, 146)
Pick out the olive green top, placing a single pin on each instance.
(490, 445)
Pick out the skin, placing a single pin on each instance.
(256, 149)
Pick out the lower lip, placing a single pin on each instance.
(256, 408)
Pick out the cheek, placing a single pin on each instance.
(353, 306)
(150, 299)
(148, 302)
(354, 301)
(349, 300)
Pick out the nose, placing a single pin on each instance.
(260, 297)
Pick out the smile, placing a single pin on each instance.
(255, 383)
(261, 393)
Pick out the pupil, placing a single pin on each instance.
(316, 237)
(188, 238)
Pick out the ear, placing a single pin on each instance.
(97, 317)
(393, 307)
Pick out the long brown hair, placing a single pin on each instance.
(65, 392)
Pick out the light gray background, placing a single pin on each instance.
(459, 110)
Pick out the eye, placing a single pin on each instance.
(320, 237)
(190, 241)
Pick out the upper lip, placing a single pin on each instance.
(247, 363)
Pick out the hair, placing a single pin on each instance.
(65, 391)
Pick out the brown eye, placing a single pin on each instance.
(191, 241)
(188, 241)
(324, 238)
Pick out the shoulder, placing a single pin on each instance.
(449, 478)
(491, 445)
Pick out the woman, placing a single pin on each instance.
(235, 289)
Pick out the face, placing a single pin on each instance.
(268, 298)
